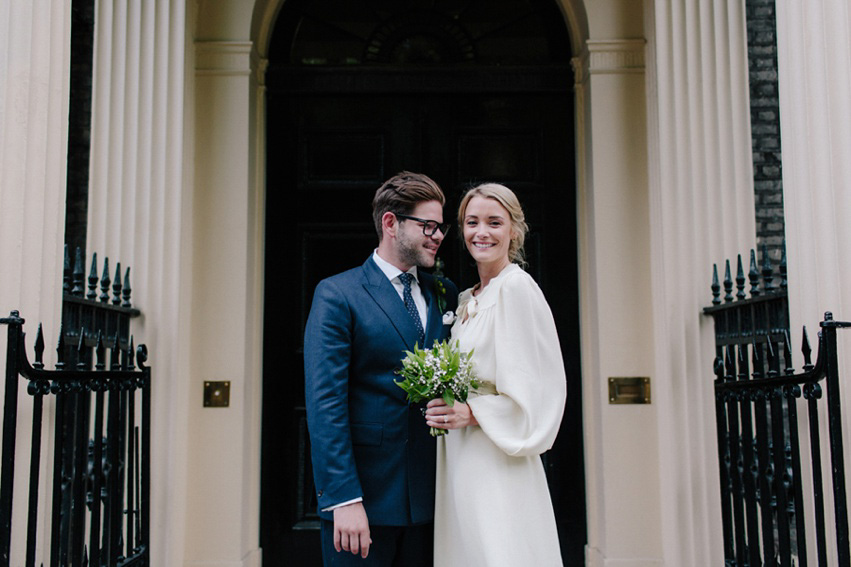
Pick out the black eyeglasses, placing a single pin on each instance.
(429, 226)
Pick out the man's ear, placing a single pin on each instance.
(389, 223)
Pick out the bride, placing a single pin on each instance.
(492, 504)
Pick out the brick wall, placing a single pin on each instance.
(765, 125)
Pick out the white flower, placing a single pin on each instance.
(449, 318)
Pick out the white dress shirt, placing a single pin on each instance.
(393, 273)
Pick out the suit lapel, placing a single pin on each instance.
(387, 299)
(435, 317)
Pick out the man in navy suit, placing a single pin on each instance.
(373, 457)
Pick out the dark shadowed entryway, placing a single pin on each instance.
(357, 91)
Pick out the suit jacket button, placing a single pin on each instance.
(320, 493)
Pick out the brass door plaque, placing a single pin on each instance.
(633, 390)
(216, 394)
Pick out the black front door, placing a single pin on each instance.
(327, 153)
(359, 90)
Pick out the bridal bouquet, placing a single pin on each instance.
(442, 371)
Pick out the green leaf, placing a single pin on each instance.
(448, 397)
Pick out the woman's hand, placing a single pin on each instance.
(442, 416)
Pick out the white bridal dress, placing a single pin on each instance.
(493, 506)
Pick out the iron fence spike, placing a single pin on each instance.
(728, 283)
(116, 285)
(787, 352)
(39, 348)
(716, 287)
(105, 281)
(60, 348)
(93, 278)
(77, 276)
(66, 285)
(753, 275)
(126, 290)
(740, 279)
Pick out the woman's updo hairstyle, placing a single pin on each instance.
(505, 197)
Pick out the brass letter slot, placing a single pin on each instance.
(216, 394)
(629, 390)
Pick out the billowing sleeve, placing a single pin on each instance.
(524, 416)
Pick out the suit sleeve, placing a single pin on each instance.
(327, 354)
(524, 417)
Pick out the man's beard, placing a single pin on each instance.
(413, 253)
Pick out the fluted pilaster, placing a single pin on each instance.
(814, 60)
(34, 79)
(34, 91)
(140, 214)
(701, 211)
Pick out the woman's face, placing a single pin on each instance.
(487, 230)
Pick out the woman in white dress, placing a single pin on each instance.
(492, 505)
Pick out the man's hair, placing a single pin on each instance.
(401, 194)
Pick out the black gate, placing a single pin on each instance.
(100, 485)
(770, 420)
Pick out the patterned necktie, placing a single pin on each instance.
(406, 278)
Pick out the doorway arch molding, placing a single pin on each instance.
(266, 13)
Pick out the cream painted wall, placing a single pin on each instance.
(615, 19)
(223, 505)
(618, 236)
(224, 453)
(622, 454)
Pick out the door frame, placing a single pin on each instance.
(265, 14)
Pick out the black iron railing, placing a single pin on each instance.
(770, 421)
(100, 396)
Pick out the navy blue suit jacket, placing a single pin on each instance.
(366, 440)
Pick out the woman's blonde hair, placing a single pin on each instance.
(505, 197)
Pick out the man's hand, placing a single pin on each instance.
(351, 529)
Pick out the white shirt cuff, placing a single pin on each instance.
(341, 504)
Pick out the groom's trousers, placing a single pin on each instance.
(392, 546)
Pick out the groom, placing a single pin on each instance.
(373, 457)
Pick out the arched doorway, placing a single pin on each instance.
(358, 90)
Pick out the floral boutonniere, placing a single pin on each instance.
(440, 293)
